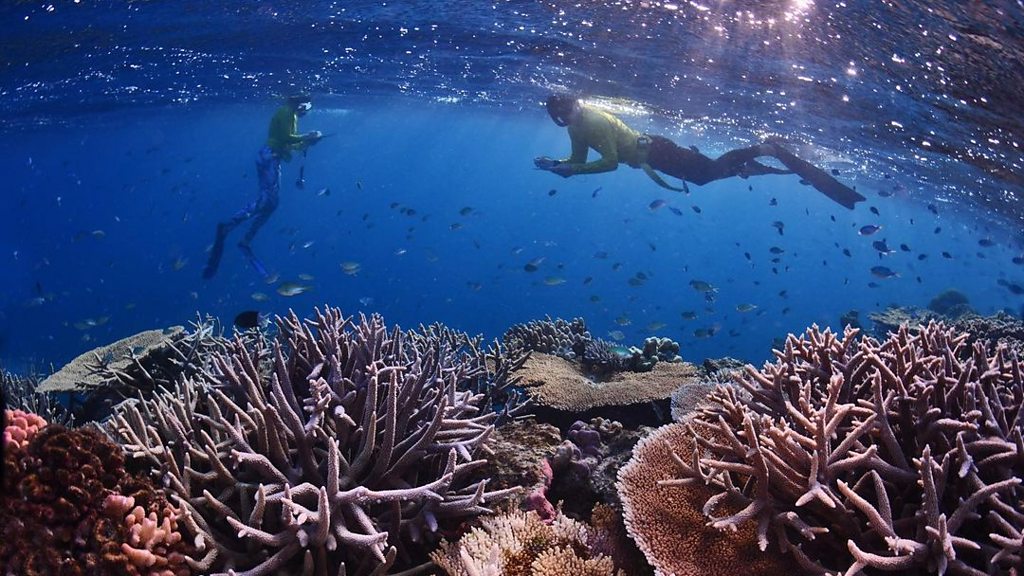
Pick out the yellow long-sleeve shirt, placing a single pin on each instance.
(606, 134)
(283, 136)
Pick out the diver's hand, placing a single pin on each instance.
(312, 137)
(563, 169)
(545, 163)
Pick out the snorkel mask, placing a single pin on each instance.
(301, 103)
(560, 108)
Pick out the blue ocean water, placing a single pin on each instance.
(131, 128)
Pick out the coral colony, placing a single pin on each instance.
(337, 445)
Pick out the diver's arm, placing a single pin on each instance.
(577, 164)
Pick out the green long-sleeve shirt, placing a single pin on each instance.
(612, 139)
(283, 136)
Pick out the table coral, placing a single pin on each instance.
(666, 521)
(341, 443)
(904, 455)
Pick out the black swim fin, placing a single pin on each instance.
(215, 253)
(821, 180)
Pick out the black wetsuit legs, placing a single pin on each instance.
(666, 156)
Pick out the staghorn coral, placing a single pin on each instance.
(602, 358)
(900, 456)
(332, 446)
(667, 524)
(495, 379)
(521, 544)
(565, 338)
(53, 519)
(19, 392)
(998, 329)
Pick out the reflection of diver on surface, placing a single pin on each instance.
(282, 139)
(592, 128)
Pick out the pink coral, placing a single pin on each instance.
(21, 427)
(150, 539)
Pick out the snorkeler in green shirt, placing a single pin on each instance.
(617, 143)
(282, 139)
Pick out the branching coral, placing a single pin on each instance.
(666, 521)
(19, 392)
(496, 365)
(521, 544)
(900, 456)
(152, 539)
(332, 447)
(565, 338)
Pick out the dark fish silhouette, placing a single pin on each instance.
(247, 320)
(869, 229)
(882, 272)
(882, 247)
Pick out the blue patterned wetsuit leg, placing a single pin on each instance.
(268, 170)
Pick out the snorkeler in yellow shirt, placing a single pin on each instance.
(617, 143)
(282, 139)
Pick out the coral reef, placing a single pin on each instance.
(337, 444)
(19, 392)
(496, 379)
(19, 428)
(519, 452)
(521, 544)
(951, 304)
(904, 455)
(54, 518)
(121, 362)
(893, 317)
(562, 392)
(997, 330)
(601, 358)
(850, 318)
(666, 521)
(152, 538)
(564, 338)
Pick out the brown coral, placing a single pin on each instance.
(52, 516)
(554, 382)
(666, 521)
